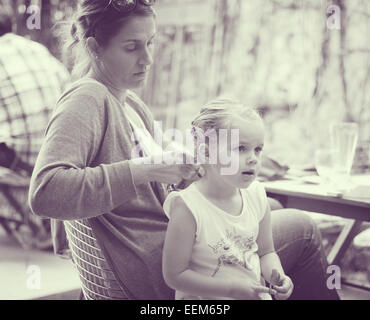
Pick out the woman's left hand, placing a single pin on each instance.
(284, 288)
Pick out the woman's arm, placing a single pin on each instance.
(64, 186)
(177, 251)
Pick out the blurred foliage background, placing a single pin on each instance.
(303, 63)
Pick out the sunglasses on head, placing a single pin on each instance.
(126, 6)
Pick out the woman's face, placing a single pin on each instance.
(128, 56)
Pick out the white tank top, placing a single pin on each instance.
(225, 245)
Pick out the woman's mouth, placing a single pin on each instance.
(140, 74)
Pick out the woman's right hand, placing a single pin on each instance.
(170, 168)
(248, 289)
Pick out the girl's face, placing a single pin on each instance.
(248, 152)
(128, 55)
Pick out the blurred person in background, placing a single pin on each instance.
(31, 80)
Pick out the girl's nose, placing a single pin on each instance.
(252, 159)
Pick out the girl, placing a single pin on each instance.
(219, 237)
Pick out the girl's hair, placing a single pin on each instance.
(219, 114)
(93, 18)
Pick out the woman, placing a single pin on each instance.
(85, 167)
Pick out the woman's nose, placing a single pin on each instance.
(147, 57)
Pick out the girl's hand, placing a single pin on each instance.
(248, 290)
(282, 284)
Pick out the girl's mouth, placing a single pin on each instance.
(248, 173)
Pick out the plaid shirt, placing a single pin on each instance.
(31, 81)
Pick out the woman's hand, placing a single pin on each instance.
(170, 168)
(248, 290)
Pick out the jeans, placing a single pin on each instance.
(297, 242)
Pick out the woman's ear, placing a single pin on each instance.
(93, 48)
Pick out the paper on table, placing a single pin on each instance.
(359, 191)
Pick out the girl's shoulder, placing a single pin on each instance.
(256, 196)
(175, 199)
(186, 198)
(180, 201)
(256, 188)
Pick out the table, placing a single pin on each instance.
(298, 194)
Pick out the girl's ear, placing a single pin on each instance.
(203, 153)
(93, 48)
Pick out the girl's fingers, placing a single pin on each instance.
(281, 296)
(284, 287)
(261, 289)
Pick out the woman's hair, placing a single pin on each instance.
(98, 19)
(219, 114)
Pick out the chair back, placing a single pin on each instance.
(97, 278)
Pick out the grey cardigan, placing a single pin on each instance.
(82, 172)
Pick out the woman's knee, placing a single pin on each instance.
(299, 224)
(310, 231)
(297, 239)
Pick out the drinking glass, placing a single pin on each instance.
(334, 163)
(343, 138)
(324, 164)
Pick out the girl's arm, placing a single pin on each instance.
(266, 250)
(270, 260)
(177, 252)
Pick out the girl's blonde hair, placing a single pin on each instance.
(219, 114)
(93, 18)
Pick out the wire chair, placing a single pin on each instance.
(97, 278)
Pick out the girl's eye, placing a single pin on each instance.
(258, 150)
(242, 149)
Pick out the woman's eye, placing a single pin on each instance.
(258, 150)
(130, 48)
(242, 148)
